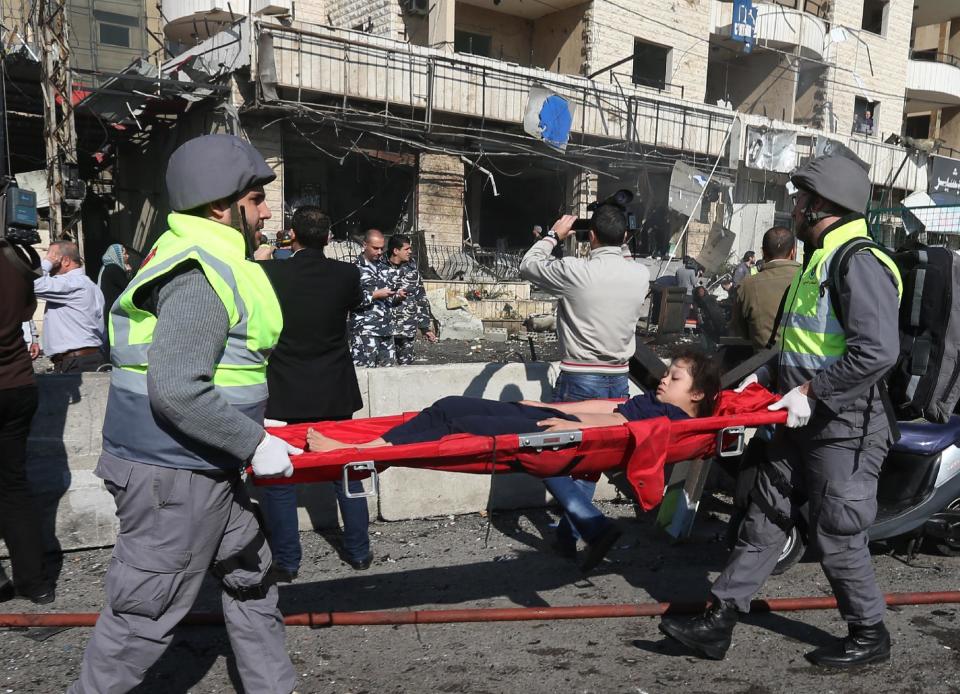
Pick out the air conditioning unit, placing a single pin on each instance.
(419, 7)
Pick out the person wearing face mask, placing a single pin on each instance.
(836, 345)
(73, 317)
(190, 337)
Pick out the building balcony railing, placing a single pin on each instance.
(933, 80)
(779, 24)
(419, 84)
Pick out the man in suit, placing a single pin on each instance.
(311, 377)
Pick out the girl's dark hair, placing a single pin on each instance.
(706, 376)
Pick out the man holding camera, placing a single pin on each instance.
(600, 301)
(19, 520)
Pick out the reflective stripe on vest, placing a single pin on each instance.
(813, 337)
(131, 429)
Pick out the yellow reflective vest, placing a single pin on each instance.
(812, 337)
(131, 428)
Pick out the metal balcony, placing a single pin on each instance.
(778, 25)
(418, 84)
(933, 80)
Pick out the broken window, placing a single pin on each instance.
(651, 64)
(469, 42)
(875, 16)
(112, 35)
(917, 127)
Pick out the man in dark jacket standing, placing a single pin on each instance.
(311, 376)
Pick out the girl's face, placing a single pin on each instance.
(676, 387)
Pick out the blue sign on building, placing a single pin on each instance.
(743, 28)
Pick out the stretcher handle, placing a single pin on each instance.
(723, 449)
(361, 466)
(554, 440)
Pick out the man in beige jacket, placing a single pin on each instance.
(758, 296)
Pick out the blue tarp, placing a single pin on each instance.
(555, 121)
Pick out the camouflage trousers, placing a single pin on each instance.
(404, 349)
(373, 350)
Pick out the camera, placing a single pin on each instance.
(620, 199)
(18, 214)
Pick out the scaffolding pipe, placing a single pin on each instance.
(504, 614)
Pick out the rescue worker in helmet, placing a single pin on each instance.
(189, 340)
(834, 348)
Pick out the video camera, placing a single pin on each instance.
(18, 227)
(621, 199)
(18, 214)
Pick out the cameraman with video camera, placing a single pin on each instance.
(600, 301)
(19, 521)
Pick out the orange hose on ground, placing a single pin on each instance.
(504, 614)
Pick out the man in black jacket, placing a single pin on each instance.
(311, 376)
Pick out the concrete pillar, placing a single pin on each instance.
(440, 199)
(441, 25)
(582, 190)
(949, 124)
(269, 142)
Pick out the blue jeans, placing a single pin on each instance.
(580, 517)
(279, 503)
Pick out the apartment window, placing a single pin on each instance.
(917, 127)
(865, 115)
(469, 42)
(115, 28)
(875, 16)
(651, 64)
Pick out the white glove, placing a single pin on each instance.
(798, 407)
(752, 378)
(272, 457)
(273, 423)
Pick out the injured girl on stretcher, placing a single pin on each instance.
(688, 389)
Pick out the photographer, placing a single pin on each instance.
(19, 521)
(601, 299)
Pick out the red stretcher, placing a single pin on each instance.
(642, 447)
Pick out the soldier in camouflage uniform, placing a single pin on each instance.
(371, 324)
(411, 310)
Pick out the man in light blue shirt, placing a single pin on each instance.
(73, 319)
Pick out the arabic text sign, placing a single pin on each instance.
(944, 175)
(743, 28)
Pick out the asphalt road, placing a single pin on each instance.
(450, 562)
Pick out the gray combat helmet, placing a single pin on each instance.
(213, 167)
(835, 178)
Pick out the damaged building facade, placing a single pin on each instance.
(407, 115)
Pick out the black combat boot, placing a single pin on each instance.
(863, 645)
(709, 634)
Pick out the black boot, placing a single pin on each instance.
(709, 634)
(864, 644)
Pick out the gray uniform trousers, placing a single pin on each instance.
(173, 524)
(838, 478)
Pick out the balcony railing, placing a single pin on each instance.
(935, 57)
(413, 84)
(466, 263)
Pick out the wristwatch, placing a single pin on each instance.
(551, 234)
